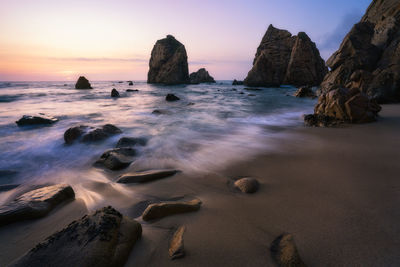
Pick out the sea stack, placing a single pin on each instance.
(285, 59)
(168, 62)
(82, 83)
(368, 58)
(201, 76)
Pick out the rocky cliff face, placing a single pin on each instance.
(201, 76)
(369, 56)
(168, 62)
(285, 59)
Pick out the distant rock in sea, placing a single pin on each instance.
(369, 55)
(201, 76)
(114, 93)
(83, 83)
(285, 59)
(236, 82)
(168, 62)
(171, 97)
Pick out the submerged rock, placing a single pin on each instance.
(161, 112)
(168, 62)
(74, 133)
(236, 82)
(247, 185)
(114, 93)
(103, 238)
(102, 133)
(36, 120)
(82, 83)
(172, 97)
(285, 59)
(132, 90)
(201, 76)
(164, 209)
(145, 176)
(284, 252)
(35, 203)
(305, 91)
(176, 246)
(130, 83)
(116, 159)
(131, 141)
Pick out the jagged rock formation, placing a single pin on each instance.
(201, 76)
(369, 56)
(285, 59)
(168, 62)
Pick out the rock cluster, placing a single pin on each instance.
(168, 62)
(285, 59)
(82, 83)
(369, 56)
(201, 76)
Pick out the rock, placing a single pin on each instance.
(161, 112)
(132, 90)
(116, 159)
(283, 58)
(176, 246)
(131, 141)
(36, 120)
(236, 82)
(74, 133)
(130, 83)
(201, 76)
(252, 89)
(318, 120)
(103, 238)
(35, 203)
(102, 133)
(163, 209)
(83, 83)
(305, 91)
(368, 58)
(168, 62)
(145, 176)
(114, 93)
(172, 97)
(284, 252)
(247, 185)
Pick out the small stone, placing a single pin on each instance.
(176, 246)
(247, 185)
(163, 209)
(284, 252)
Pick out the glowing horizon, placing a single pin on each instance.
(112, 40)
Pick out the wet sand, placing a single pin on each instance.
(336, 190)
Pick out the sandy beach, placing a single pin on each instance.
(335, 189)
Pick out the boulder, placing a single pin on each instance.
(247, 185)
(368, 58)
(201, 76)
(74, 133)
(284, 252)
(100, 134)
(145, 176)
(82, 83)
(171, 97)
(305, 91)
(36, 120)
(285, 59)
(116, 159)
(35, 203)
(163, 209)
(176, 246)
(103, 238)
(236, 82)
(131, 141)
(114, 93)
(168, 62)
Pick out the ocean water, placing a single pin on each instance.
(213, 125)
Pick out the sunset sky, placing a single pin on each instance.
(111, 40)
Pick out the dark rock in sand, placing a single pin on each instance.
(35, 203)
(176, 246)
(236, 82)
(284, 252)
(130, 83)
(103, 238)
(131, 141)
(116, 159)
(132, 90)
(305, 91)
(285, 59)
(201, 76)
(102, 133)
(171, 97)
(82, 83)
(247, 185)
(168, 62)
(74, 133)
(36, 120)
(114, 93)
(368, 58)
(164, 209)
(145, 176)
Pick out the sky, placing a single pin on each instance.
(57, 40)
